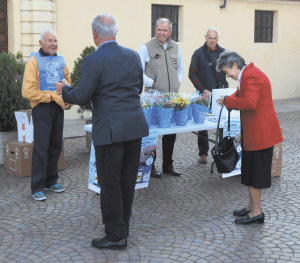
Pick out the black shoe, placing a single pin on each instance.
(171, 171)
(241, 212)
(154, 173)
(246, 220)
(104, 243)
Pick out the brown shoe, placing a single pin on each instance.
(203, 159)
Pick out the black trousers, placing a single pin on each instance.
(117, 168)
(203, 141)
(48, 121)
(168, 142)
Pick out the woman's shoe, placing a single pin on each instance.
(246, 220)
(241, 212)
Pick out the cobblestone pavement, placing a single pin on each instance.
(185, 219)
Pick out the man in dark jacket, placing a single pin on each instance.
(112, 78)
(204, 77)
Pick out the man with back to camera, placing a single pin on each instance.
(203, 75)
(163, 71)
(43, 69)
(112, 78)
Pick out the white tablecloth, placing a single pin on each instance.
(211, 122)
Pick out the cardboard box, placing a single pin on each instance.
(277, 160)
(19, 158)
(25, 125)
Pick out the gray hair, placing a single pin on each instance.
(105, 26)
(227, 59)
(212, 29)
(47, 31)
(164, 20)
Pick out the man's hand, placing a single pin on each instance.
(59, 85)
(67, 107)
(206, 92)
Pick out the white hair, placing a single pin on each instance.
(164, 20)
(47, 31)
(105, 26)
(212, 29)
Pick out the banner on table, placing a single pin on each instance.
(147, 154)
(235, 131)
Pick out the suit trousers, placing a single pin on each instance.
(168, 142)
(117, 168)
(48, 121)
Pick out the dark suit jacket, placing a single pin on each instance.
(112, 78)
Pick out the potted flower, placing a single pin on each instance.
(11, 77)
(164, 109)
(181, 110)
(200, 107)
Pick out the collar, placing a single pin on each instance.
(45, 54)
(110, 41)
(216, 48)
(240, 77)
(167, 45)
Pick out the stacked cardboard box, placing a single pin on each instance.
(19, 157)
(18, 154)
(277, 160)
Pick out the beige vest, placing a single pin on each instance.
(163, 65)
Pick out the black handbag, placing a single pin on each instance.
(224, 152)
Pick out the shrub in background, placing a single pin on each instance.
(11, 77)
(76, 74)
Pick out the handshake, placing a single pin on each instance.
(59, 85)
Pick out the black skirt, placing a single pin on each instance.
(256, 168)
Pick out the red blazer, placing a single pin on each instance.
(259, 122)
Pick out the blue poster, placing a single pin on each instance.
(147, 153)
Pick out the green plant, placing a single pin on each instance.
(201, 100)
(180, 103)
(145, 105)
(11, 77)
(76, 74)
(162, 101)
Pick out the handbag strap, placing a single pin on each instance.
(218, 128)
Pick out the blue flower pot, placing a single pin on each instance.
(154, 116)
(165, 117)
(181, 117)
(148, 115)
(173, 117)
(199, 113)
(190, 115)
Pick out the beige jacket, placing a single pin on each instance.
(163, 65)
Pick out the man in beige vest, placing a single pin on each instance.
(163, 71)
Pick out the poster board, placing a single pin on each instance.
(146, 159)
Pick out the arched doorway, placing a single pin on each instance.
(3, 26)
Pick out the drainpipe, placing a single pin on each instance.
(224, 5)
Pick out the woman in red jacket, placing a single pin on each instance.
(260, 129)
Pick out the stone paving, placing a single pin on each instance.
(185, 219)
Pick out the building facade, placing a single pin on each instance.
(265, 32)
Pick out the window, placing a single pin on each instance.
(167, 11)
(263, 26)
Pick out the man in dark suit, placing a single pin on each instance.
(112, 78)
